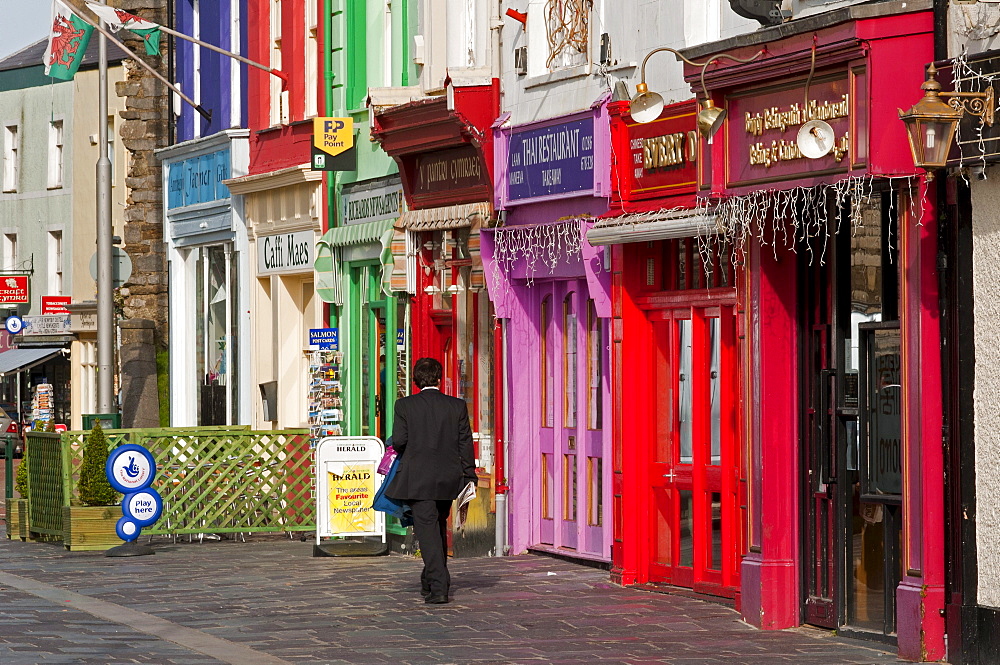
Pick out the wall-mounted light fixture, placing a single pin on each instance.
(522, 17)
(931, 122)
(646, 106)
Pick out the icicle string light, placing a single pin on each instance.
(792, 219)
(540, 246)
(965, 79)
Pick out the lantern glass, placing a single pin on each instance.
(930, 140)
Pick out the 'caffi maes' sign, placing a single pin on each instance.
(285, 252)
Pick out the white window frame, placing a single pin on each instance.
(279, 98)
(565, 58)
(56, 154)
(311, 58)
(196, 64)
(55, 262)
(11, 157)
(235, 71)
(8, 250)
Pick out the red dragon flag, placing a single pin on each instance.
(68, 41)
(118, 19)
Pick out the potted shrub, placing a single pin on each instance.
(17, 509)
(89, 521)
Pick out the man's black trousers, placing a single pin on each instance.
(430, 525)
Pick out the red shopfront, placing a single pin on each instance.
(839, 302)
(675, 360)
(444, 150)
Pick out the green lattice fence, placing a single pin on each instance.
(212, 480)
(45, 484)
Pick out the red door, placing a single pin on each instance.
(694, 470)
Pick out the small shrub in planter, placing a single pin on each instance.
(21, 477)
(93, 487)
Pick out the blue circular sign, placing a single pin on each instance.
(14, 324)
(144, 506)
(130, 468)
(127, 529)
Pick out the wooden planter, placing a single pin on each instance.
(17, 519)
(90, 527)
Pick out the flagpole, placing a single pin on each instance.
(235, 56)
(212, 47)
(98, 25)
(105, 282)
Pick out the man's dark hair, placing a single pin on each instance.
(426, 373)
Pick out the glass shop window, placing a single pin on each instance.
(570, 369)
(545, 356)
(595, 368)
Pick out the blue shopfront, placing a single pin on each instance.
(207, 250)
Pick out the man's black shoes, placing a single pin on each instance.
(435, 600)
(425, 592)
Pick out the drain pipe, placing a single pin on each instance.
(500, 439)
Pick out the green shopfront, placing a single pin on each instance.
(355, 275)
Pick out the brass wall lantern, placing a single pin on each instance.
(931, 122)
(646, 106)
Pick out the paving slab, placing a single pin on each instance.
(267, 601)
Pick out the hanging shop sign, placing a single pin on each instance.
(346, 482)
(663, 154)
(198, 179)
(285, 252)
(15, 289)
(452, 172)
(325, 339)
(56, 304)
(372, 202)
(551, 160)
(764, 123)
(47, 324)
(333, 145)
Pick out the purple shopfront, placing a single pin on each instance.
(551, 289)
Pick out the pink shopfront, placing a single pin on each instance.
(551, 290)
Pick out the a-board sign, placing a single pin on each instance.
(346, 482)
(130, 469)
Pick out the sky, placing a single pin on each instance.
(24, 22)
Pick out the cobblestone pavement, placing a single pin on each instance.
(269, 602)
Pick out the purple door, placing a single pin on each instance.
(572, 371)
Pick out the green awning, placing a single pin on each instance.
(327, 264)
(357, 234)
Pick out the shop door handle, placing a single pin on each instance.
(669, 476)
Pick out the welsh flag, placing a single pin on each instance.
(118, 19)
(68, 41)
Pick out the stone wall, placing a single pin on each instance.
(144, 128)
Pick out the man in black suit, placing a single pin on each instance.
(431, 433)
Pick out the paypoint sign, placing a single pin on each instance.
(333, 145)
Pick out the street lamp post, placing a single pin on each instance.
(105, 286)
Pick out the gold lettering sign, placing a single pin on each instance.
(670, 150)
(785, 151)
(778, 118)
